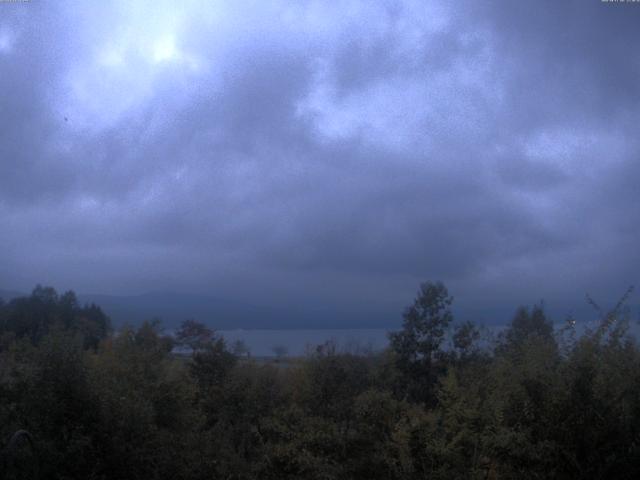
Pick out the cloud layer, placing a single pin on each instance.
(321, 155)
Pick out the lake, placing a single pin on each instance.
(297, 341)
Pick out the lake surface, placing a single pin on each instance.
(298, 342)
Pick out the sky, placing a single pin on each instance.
(329, 155)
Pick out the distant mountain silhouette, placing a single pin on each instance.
(222, 314)
(173, 308)
(7, 295)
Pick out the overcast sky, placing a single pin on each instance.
(332, 154)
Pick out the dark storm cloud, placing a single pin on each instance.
(320, 153)
(24, 123)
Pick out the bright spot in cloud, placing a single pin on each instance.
(6, 41)
(111, 57)
(165, 50)
(123, 70)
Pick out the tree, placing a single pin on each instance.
(33, 317)
(211, 364)
(194, 335)
(417, 345)
(144, 399)
(465, 337)
(92, 323)
(527, 326)
(240, 349)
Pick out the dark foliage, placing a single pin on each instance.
(80, 402)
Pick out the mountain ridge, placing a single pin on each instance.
(226, 314)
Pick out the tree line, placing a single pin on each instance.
(441, 402)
